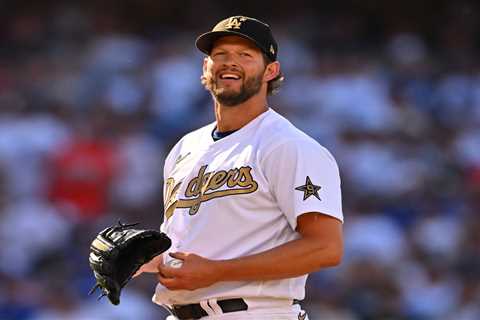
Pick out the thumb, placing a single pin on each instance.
(178, 255)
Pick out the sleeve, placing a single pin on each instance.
(304, 177)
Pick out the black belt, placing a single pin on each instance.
(195, 310)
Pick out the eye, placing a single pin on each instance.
(245, 54)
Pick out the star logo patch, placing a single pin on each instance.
(309, 189)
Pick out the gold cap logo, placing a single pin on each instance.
(235, 22)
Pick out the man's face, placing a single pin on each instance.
(234, 70)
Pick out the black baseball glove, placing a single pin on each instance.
(118, 252)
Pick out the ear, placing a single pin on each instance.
(271, 71)
(205, 61)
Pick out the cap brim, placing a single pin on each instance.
(205, 41)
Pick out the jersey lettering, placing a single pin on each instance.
(170, 196)
(205, 185)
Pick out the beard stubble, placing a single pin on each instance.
(230, 98)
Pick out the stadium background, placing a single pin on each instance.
(93, 94)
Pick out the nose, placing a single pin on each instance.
(229, 60)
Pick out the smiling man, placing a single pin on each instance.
(252, 204)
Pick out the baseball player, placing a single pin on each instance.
(252, 204)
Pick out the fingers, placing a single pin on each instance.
(189, 274)
(165, 281)
(167, 271)
(139, 272)
(178, 255)
(172, 270)
(156, 260)
(170, 277)
(151, 266)
(170, 283)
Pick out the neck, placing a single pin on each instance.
(230, 118)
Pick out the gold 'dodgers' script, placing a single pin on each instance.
(205, 186)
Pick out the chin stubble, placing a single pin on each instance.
(248, 89)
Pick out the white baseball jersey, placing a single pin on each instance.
(242, 195)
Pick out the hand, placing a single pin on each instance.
(195, 272)
(151, 266)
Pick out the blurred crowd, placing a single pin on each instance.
(90, 104)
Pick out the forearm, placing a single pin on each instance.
(292, 259)
(320, 245)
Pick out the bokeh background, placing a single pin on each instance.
(94, 93)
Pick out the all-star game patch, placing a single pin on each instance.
(309, 189)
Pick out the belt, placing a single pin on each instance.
(195, 310)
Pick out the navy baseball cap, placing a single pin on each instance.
(249, 28)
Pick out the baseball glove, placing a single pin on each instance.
(118, 252)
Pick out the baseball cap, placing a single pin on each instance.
(249, 28)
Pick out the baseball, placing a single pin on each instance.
(175, 263)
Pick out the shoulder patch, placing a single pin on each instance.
(309, 189)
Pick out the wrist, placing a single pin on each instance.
(219, 270)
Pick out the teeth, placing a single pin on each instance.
(229, 76)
